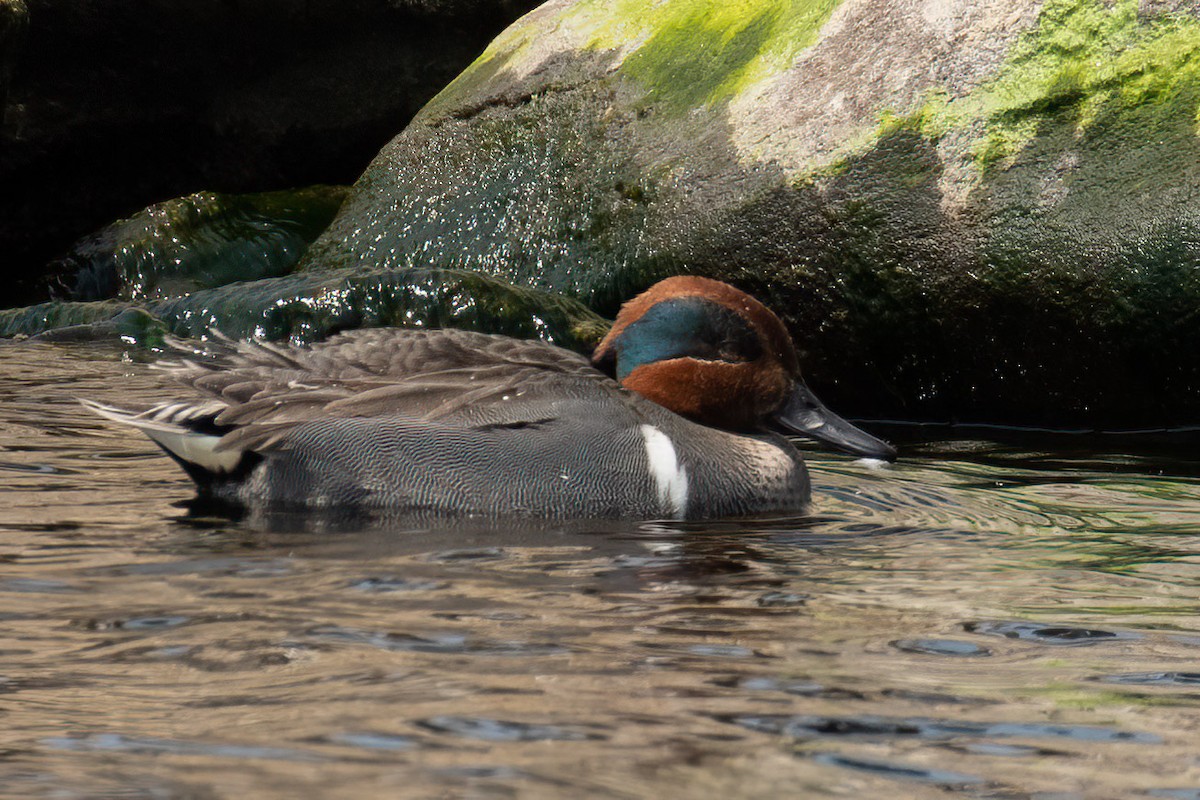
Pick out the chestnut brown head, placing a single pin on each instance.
(714, 354)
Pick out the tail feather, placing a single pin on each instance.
(184, 432)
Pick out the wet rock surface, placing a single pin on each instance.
(309, 307)
(201, 241)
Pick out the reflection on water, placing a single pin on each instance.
(979, 619)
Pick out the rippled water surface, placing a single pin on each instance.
(980, 620)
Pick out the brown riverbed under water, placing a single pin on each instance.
(978, 620)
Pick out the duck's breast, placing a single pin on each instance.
(732, 474)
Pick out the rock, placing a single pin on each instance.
(131, 325)
(312, 306)
(115, 106)
(309, 307)
(197, 242)
(964, 210)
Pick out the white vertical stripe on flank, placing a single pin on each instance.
(670, 477)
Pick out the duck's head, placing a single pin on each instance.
(714, 354)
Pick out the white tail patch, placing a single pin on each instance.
(159, 425)
(670, 477)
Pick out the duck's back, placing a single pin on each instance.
(460, 422)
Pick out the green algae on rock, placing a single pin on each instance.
(962, 210)
(196, 242)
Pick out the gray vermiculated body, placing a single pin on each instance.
(589, 461)
(458, 422)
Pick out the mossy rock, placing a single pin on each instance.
(310, 307)
(982, 211)
(210, 262)
(196, 242)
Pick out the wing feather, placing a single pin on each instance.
(257, 392)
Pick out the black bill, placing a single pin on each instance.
(804, 414)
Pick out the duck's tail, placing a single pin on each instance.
(187, 433)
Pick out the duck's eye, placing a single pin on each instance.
(687, 327)
(742, 344)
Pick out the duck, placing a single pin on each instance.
(682, 412)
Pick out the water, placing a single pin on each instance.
(979, 620)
